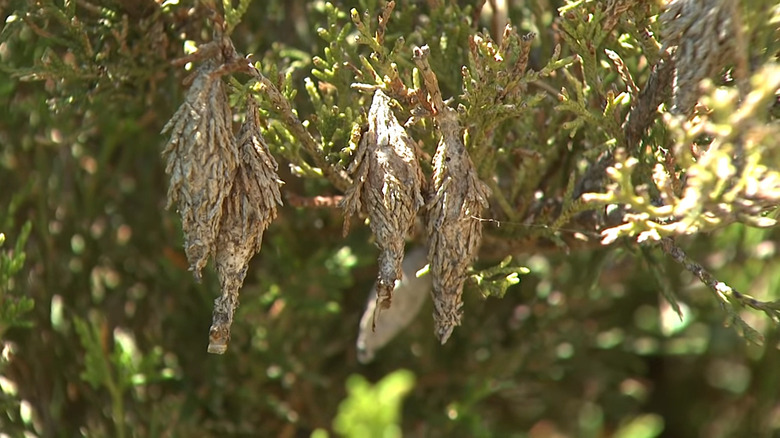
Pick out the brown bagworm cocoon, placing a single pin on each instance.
(246, 213)
(453, 212)
(201, 162)
(387, 186)
(454, 231)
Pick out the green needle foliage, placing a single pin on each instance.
(627, 278)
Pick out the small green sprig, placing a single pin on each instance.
(496, 280)
(233, 14)
(373, 410)
(119, 369)
(13, 306)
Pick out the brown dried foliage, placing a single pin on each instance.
(246, 213)
(201, 161)
(387, 186)
(708, 37)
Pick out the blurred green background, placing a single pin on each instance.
(104, 330)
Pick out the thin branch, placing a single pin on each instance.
(338, 177)
(313, 202)
(655, 91)
(724, 292)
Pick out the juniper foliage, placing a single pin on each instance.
(613, 267)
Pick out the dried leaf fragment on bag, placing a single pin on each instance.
(201, 161)
(708, 37)
(387, 185)
(408, 298)
(246, 213)
(459, 197)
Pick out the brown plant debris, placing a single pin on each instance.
(708, 37)
(201, 161)
(246, 213)
(388, 183)
(454, 231)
